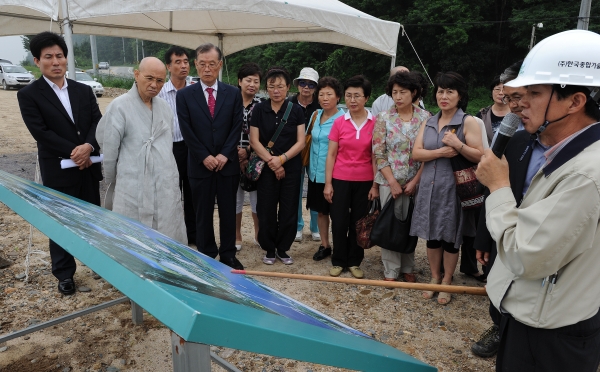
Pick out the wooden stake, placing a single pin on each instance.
(478, 291)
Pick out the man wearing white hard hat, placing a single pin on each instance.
(544, 279)
(306, 83)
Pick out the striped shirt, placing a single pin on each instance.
(169, 93)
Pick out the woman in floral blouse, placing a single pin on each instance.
(393, 140)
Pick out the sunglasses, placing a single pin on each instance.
(304, 84)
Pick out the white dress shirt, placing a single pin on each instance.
(169, 94)
(215, 86)
(63, 96)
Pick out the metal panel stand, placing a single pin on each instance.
(137, 313)
(189, 356)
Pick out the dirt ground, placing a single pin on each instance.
(108, 341)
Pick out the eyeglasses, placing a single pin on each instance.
(507, 100)
(211, 65)
(304, 84)
(350, 97)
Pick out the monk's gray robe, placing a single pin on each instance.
(139, 164)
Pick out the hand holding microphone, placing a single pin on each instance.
(492, 171)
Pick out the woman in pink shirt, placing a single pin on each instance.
(349, 174)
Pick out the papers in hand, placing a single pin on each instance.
(68, 163)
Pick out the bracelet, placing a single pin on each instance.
(286, 158)
(460, 150)
(281, 160)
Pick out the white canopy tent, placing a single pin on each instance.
(232, 24)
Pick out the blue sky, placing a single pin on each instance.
(12, 49)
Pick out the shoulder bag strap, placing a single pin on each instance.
(313, 118)
(280, 126)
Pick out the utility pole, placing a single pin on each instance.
(123, 39)
(532, 42)
(584, 15)
(94, 54)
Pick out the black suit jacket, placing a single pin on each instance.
(56, 134)
(205, 135)
(517, 174)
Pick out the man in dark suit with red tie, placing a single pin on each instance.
(62, 115)
(210, 118)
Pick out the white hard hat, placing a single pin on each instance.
(567, 58)
(307, 73)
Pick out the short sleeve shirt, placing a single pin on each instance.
(267, 120)
(354, 159)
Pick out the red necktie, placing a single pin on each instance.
(211, 101)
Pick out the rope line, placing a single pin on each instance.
(421, 62)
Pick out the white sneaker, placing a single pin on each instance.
(298, 236)
(316, 236)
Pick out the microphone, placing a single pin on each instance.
(507, 129)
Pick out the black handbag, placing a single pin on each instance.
(392, 233)
(246, 183)
(255, 163)
(468, 188)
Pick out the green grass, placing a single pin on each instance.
(34, 70)
(115, 81)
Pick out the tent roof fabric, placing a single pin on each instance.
(241, 23)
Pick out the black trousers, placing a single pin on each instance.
(350, 201)
(63, 263)
(277, 210)
(204, 191)
(180, 151)
(468, 255)
(570, 348)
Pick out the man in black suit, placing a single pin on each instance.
(210, 118)
(62, 115)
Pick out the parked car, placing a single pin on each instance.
(14, 76)
(84, 78)
(192, 79)
(103, 66)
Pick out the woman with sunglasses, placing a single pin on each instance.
(306, 83)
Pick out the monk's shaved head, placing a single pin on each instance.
(150, 77)
(396, 69)
(152, 63)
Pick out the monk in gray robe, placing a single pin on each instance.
(135, 135)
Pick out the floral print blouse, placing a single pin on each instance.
(393, 142)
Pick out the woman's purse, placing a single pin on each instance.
(308, 141)
(365, 224)
(255, 163)
(392, 233)
(468, 188)
(246, 183)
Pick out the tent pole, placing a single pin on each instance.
(68, 33)
(94, 54)
(393, 62)
(221, 47)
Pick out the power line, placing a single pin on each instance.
(544, 19)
